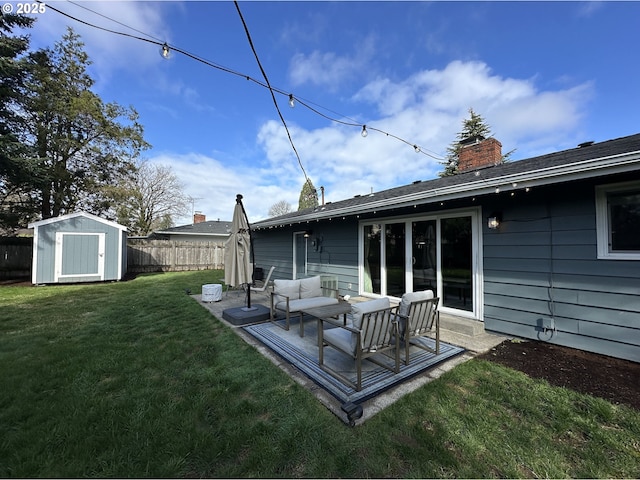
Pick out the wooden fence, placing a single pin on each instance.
(173, 256)
(15, 257)
(142, 256)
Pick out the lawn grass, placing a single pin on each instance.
(136, 379)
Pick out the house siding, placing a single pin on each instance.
(338, 254)
(541, 269)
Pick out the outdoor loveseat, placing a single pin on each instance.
(293, 296)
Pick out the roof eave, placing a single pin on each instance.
(165, 232)
(545, 176)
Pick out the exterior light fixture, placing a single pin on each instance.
(364, 132)
(292, 102)
(307, 234)
(494, 220)
(416, 148)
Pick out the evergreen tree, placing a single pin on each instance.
(308, 196)
(14, 173)
(473, 127)
(81, 144)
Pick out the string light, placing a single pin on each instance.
(166, 51)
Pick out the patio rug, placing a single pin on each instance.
(302, 353)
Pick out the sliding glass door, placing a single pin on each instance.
(436, 253)
(424, 260)
(456, 263)
(372, 259)
(394, 259)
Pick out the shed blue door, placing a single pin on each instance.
(79, 256)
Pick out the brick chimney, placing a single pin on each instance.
(479, 152)
(198, 217)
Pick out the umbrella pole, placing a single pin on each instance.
(251, 254)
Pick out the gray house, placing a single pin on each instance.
(78, 247)
(200, 230)
(545, 248)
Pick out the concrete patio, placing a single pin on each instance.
(468, 334)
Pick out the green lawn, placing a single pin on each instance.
(135, 379)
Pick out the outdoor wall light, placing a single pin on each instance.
(307, 234)
(494, 221)
(353, 411)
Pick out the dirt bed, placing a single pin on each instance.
(598, 375)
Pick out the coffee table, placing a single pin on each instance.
(327, 311)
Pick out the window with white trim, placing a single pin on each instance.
(618, 221)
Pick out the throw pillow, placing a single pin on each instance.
(311, 287)
(290, 288)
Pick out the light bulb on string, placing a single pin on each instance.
(364, 132)
(416, 148)
(165, 52)
(292, 102)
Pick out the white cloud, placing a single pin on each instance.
(427, 109)
(106, 49)
(213, 186)
(328, 69)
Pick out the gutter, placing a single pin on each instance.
(613, 164)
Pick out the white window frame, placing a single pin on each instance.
(477, 312)
(603, 225)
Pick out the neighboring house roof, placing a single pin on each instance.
(588, 160)
(216, 228)
(68, 216)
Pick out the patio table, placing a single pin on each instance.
(328, 311)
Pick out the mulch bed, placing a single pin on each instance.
(613, 379)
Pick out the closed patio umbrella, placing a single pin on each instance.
(237, 261)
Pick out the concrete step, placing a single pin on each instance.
(463, 326)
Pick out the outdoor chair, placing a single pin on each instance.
(291, 297)
(374, 325)
(261, 287)
(418, 316)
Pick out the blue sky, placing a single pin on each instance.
(545, 76)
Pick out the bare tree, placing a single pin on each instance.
(152, 200)
(280, 208)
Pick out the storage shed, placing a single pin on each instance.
(78, 247)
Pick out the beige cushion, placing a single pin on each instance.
(305, 303)
(410, 297)
(290, 288)
(358, 310)
(310, 287)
